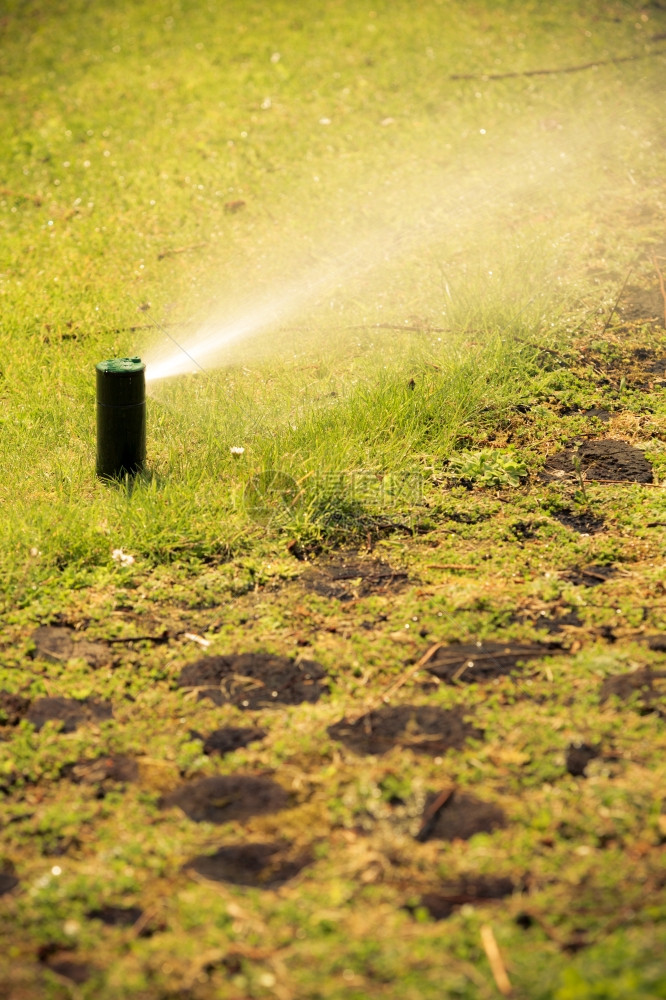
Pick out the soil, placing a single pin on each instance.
(471, 889)
(116, 768)
(583, 523)
(590, 576)
(70, 711)
(57, 644)
(644, 305)
(605, 459)
(228, 738)
(116, 916)
(593, 412)
(467, 663)
(13, 707)
(649, 685)
(8, 881)
(348, 579)
(62, 963)
(421, 728)
(578, 756)
(261, 865)
(227, 797)
(255, 680)
(559, 623)
(461, 817)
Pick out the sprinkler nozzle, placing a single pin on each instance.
(121, 417)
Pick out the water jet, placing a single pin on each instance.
(121, 417)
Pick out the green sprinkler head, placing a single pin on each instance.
(121, 417)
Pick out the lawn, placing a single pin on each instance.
(358, 690)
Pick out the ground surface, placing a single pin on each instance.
(306, 735)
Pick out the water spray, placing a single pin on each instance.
(121, 417)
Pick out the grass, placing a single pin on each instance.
(448, 256)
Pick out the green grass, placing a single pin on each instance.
(442, 258)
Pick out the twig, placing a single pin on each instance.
(662, 286)
(404, 677)
(8, 193)
(461, 566)
(496, 961)
(564, 69)
(617, 300)
(624, 482)
(163, 637)
(425, 328)
(432, 813)
(192, 246)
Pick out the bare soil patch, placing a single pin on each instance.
(58, 644)
(255, 680)
(8, 879)
(469, 890)
(421, 728)
(100, 770)
(584, 522)
(645, 685)
(116, 916)
(590, 576)
(227, 797)
(643, 305)
(348, 579)
(261, 865)
(13, 708)
(70, 711)
(605, 459)
(578, 756)
(461, 817)
(467, 663)
(61, 961)
(229, 738)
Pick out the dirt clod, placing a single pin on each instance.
(646, 685)
(255, 680)
(57, 644)
(115, 768)
(583, 523)
(421, 728)
(229, 738)
(578, 756)
(347, 580)
(590, 576)
(467, 663)
(12, 708)
(227, 797)
(606, 459)
(116, 916)
(8, 879)
(462, 816)
(471, 889)
(262, 865)
(70, 711)
(64, 965)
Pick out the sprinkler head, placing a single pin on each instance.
(121, 417)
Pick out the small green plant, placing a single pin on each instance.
(488, 467)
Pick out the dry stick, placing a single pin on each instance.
(404, 677)
(432, 813)
(661, 283)
(617, 300)
(494, 956)
(452, 566)
(9, 193)
(624, 482)
(170, 253)
(564, 69)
